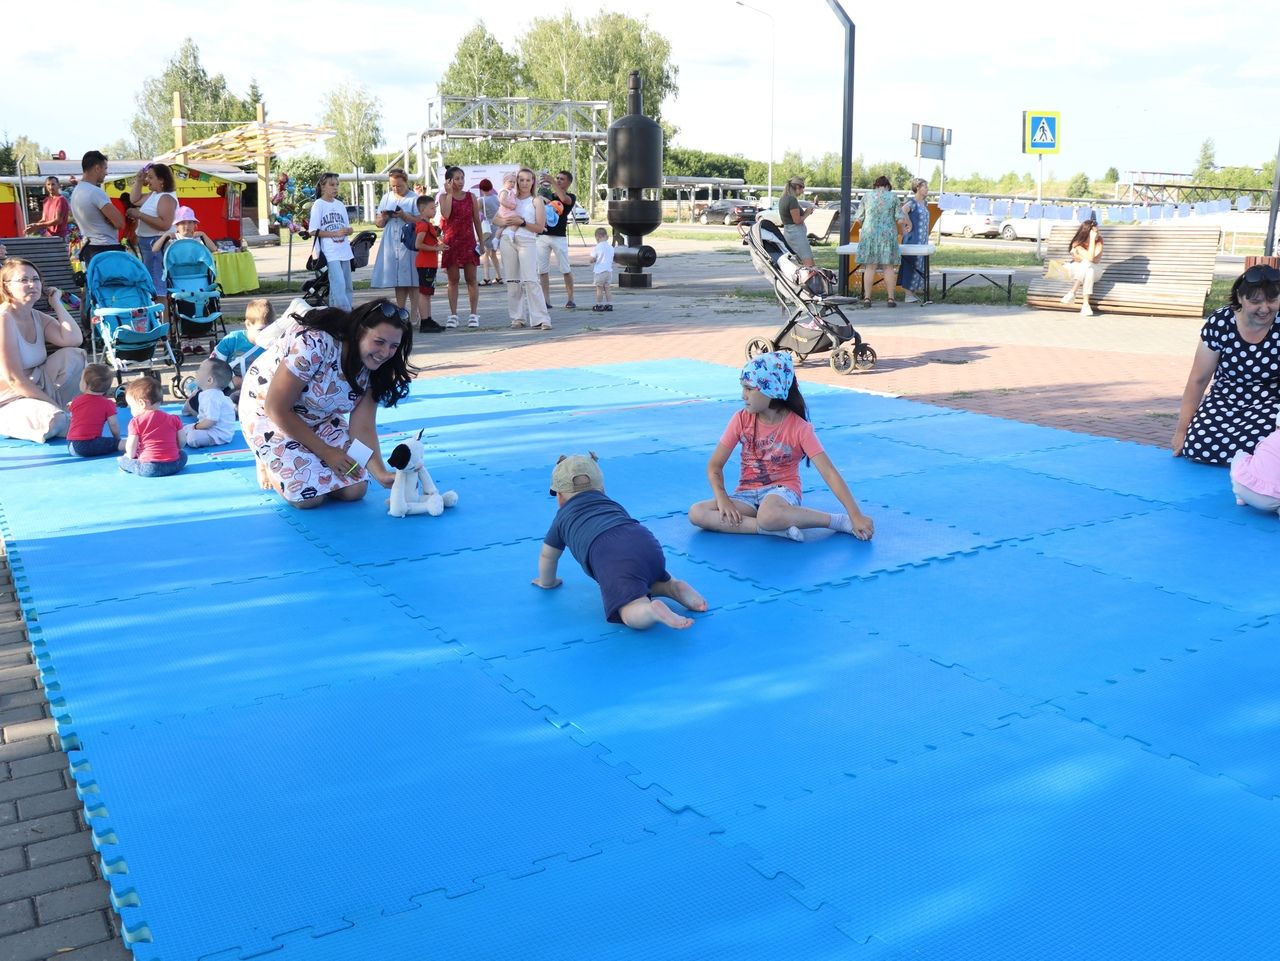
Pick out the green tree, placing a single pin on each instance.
(356, 116)
(480, 68)
(205, 99)
(1111, 176)
(1078, 186)
(1206, 164)
(898, 175)
(8, 159)
(121, 149)
(305, 169)
(31, 154)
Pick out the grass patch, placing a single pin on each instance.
(709, 235)
(952, 257)
(741, 293)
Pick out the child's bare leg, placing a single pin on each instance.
(264, 479)
(777, 515)
(644, 612)
(681, 592)
(706, 515)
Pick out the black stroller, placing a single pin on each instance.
(316, 290)
(815, 323)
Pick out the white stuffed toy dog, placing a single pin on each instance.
(413, 491)
(1255, 478)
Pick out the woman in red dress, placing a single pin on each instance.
(460, 215)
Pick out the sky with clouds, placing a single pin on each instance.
(1138, 85)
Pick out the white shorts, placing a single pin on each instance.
(557, 245)
(755, 495)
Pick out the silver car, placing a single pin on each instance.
(968, 225)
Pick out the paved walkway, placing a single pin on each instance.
(1114, 376)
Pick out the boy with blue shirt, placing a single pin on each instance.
(614, 549)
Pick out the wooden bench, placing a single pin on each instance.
(1144, 270)
(51, 258)
(998, 277)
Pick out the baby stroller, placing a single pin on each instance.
(194, 295)
(815, 322)
(126, 319)
(316, 290)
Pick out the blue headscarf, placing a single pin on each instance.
(771, 374)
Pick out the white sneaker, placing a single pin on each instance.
(911, 298)
(473, 320)
(451, 321)
(1087, 311)
(1068, 299)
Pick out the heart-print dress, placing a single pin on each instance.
(315, 358)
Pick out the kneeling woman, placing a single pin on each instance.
(1239, 352)
(296, 399)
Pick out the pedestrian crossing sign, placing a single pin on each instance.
(1040, 131)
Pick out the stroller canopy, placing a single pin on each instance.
(118, 279)
(188, 257)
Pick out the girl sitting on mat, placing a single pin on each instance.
(774, 430)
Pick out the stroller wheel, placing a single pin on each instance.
(864, 358)
(184, 386)
(757, 346)
(842, 360)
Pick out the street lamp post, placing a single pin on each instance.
(773, 63)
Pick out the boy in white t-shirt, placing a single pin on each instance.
(329, 224)
(602, 257)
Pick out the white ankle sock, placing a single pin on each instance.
(790, 533)
(840, 522)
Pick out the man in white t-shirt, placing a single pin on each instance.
(99, 220)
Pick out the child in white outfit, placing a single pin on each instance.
(215, 414)
(602, 257)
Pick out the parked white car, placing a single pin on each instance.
(1024, 228)
(968, 225)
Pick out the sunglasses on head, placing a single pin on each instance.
(391, 310)
(1262, 274)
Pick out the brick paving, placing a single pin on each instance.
(1110, 376)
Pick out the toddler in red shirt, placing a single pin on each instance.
(90, 411)
(152, 448)
(428, 244)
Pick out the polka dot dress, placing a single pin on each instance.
(1241, 405)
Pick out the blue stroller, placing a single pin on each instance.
(126, 322)
(195, 310)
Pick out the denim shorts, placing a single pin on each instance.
(754, 495)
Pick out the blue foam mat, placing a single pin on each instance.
(749, 706)
(452, 779)
(1044, 839)
(340, 749)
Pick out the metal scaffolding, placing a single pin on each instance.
(511, 119)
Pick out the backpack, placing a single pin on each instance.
(409, 236)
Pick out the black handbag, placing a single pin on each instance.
(317, 263)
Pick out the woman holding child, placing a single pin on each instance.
(520, 253)
(315, 391)
(36, 384)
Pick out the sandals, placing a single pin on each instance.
(866, 301)
(893, 303)
(517, 325)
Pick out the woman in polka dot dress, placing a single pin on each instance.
(1239, 351)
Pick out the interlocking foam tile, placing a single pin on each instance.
(825, 557)
(997, 501)
(96, 495)
(1045, 839)
(688, 378)
(977, 435)
(486, 602)
(543, 381)
(763, 700)
(236, 826)
(69, 568)
(1035, 624)
(860, 456)
(678, 895)
(1143, 471)
(1218, 708)
(182, 651)
(1180, 552)
(852, 408)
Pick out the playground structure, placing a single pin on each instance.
(513, 119)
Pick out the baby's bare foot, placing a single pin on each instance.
(667, 616)
(683, 592)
